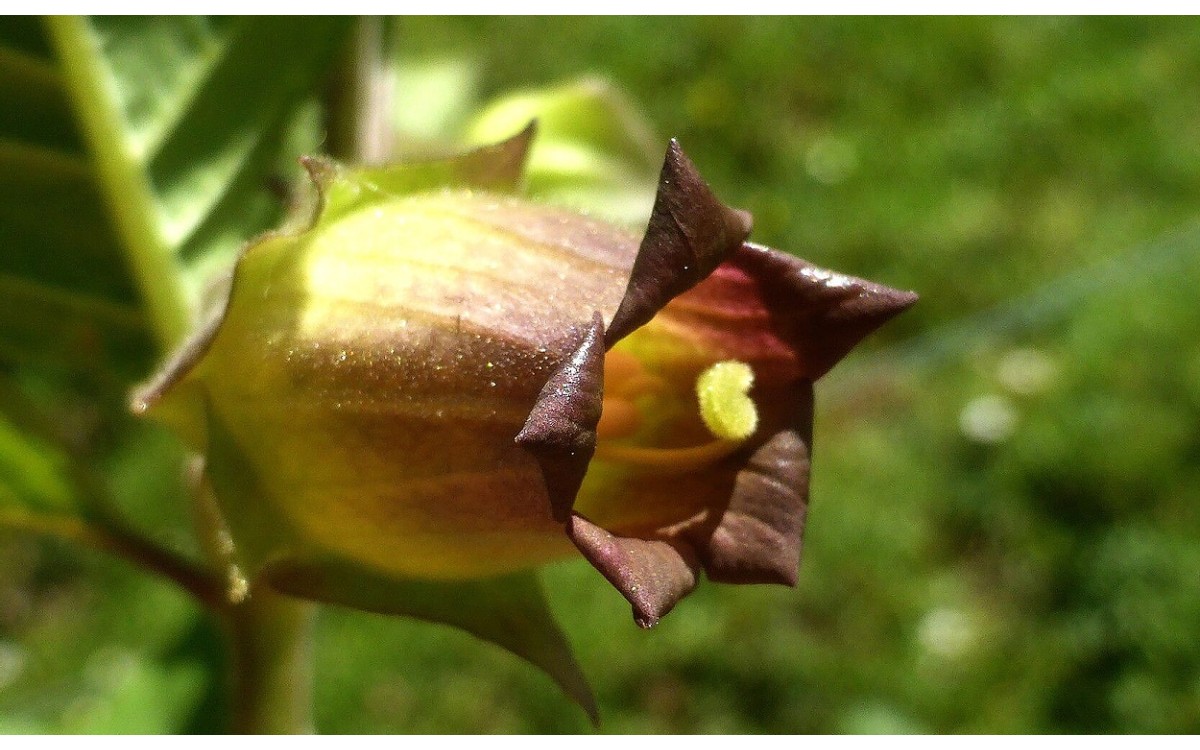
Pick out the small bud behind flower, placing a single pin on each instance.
(595, 152)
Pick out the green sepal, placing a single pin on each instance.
(253, 522)
(497, 168)
(509, 611)
(339, 189)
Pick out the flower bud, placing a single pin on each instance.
(594, 150)
(437, 382)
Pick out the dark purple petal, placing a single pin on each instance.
(689, 234)
(757, 538)
(822, 314)
(652, 574)
(561, 429)
(743, 517)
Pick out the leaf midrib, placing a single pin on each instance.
(123, 182)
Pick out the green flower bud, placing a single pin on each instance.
(594, 152)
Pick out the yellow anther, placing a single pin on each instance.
(725, 406)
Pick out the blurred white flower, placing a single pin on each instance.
(946, 632)
(830, 159)
(988, 419)
(12, 663)
(1026, 371)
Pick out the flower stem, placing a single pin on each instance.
(271, 640)
(269, 635)
(123, 543)
(360, 101)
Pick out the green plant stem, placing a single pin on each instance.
(269, 635)
(360, 99)
(122, 179)
(123, 543)
(104, 527)
(271, 638)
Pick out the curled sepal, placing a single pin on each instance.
(653, 575)
(561, 429)
(339, 189)
(509, 611)
(822, 314)
(176, 400)
(497, 168)
(181, 362)
(690, 232)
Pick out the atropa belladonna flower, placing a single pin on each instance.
(435, 382)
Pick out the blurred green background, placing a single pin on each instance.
(1005, 527)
